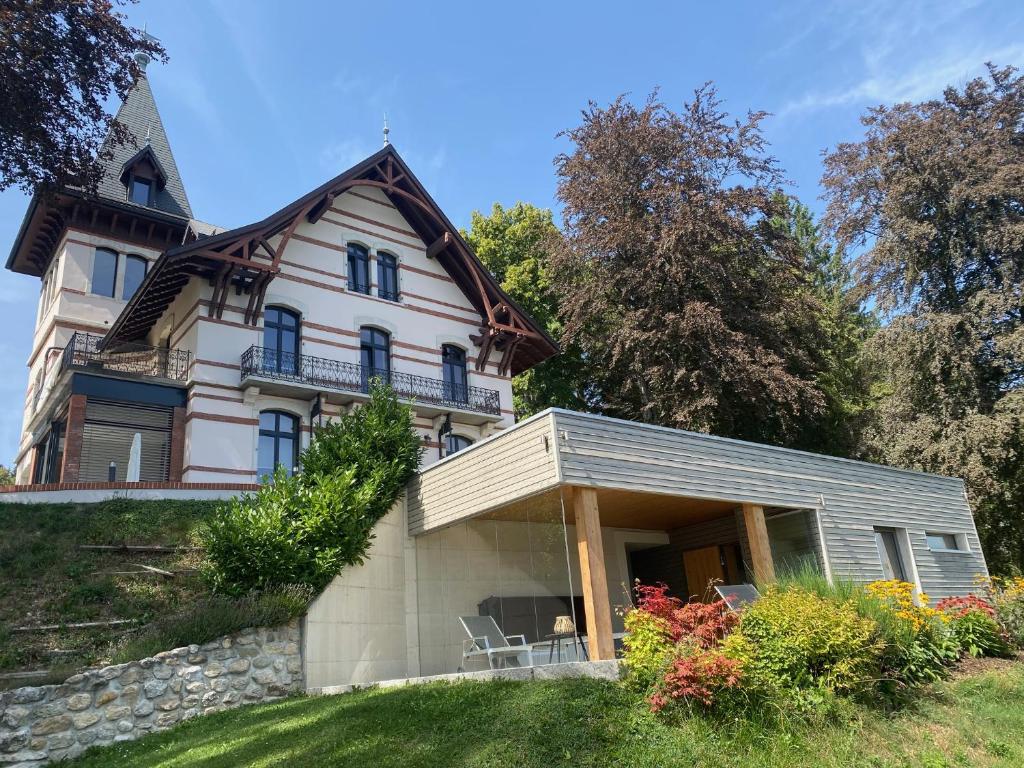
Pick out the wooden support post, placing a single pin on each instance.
(592, 573)
(760, 549)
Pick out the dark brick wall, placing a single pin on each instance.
(73, 434)
(177, 445)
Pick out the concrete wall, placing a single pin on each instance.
(397, 614)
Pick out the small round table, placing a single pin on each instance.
(556, 643)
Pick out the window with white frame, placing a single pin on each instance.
(946, 542)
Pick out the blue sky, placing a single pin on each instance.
(263, 100)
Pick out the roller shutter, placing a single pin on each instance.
(109, 430)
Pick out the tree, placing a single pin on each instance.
(7, 476)
(934, 196)
(60, 60)
(514, 243)
(691, 306)
(845, 375)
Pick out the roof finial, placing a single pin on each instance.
(387, 130)
(149, 127)
(141, 57)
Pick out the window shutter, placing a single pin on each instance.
(109, 430)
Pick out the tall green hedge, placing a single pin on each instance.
(305, 529)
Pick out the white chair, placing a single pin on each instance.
(486, 639)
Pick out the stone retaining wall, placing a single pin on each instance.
(126, 701)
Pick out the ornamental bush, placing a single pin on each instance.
(305, 529)
(972, 620)
(697, 676)
(793, 639)
(1007, 597)
(670, 649)
(917, 646)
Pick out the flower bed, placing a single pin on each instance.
(805, 645)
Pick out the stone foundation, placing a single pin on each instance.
(126, 701)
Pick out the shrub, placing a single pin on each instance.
(292, 531)
(697, 676)
(305, 529)
(213, 617)
(916, 645)
(1007, 597)
(647, 650)
(665, 649)
(377, 441)
(973, 623)
(792, 639)
(705, 623)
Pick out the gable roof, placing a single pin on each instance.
(147, 154)
(138, 113)
(244, 259)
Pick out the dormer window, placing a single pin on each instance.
(143, 176)
(140, 191)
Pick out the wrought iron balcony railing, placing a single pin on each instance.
(131, 359)
(350, 377)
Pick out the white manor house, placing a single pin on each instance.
(172, 358)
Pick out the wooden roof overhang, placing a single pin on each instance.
(49, 216)
(245, 260)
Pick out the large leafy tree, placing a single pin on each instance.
(514, 244)
(689, 302)
(60, 60)
(934, 195)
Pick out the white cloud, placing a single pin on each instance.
(926, 79)
(902, 52)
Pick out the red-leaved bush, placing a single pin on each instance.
(959, 607)
(678, 642)
(698, 677)
(706, 623)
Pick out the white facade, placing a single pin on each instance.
(222, 426)
(68, 305)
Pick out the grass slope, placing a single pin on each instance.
(977, 721)
(46, 579)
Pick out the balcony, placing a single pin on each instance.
(129, 360)
(301, 375)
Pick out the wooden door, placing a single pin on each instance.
(701, 566)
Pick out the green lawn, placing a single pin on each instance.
(977, 721)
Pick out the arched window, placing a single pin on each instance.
(134, 272)
(358, 268)
(279, 443)
(104, 272)
(374, 354)
(455, 443)
(281, 329)
(387, 276)
(453, 371)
